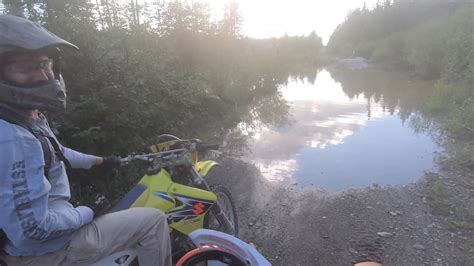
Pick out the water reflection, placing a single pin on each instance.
(343, 135)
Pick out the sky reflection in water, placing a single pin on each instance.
(335, 142)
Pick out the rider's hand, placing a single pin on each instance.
(100, 205)
(111, 162)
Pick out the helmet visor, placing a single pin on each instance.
(20, 33)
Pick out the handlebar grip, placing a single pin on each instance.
(206, 146)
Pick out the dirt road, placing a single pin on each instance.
(306, 226)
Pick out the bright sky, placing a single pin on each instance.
(274, 18)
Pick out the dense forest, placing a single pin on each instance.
(163, 67)
(430, 39)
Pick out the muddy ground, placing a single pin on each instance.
(427, 223)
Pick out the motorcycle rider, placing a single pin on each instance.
(40, 226)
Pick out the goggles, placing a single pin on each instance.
(26, 67)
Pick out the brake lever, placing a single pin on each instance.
(126, 160)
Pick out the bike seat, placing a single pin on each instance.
(127, 201)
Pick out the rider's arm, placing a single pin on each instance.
(25, 216)
(81, 160)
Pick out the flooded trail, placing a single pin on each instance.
(352, 175)
(346, 130)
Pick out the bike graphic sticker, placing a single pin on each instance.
(191, 208)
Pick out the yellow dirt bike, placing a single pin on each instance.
(175, 183)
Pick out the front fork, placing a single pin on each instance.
(222, 218)
(216, 208)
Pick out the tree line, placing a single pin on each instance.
(430, 39)
(161, 67)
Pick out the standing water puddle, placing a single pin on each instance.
(337, 142)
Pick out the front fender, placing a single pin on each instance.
(203, 167)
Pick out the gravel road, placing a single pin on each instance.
(306, 226)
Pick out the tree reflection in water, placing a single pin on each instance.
(357, 121)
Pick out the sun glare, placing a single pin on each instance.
(275, 18)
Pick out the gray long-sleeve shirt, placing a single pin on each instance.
(35, 212)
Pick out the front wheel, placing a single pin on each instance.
(225, 201)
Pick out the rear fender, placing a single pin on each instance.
(203, 167)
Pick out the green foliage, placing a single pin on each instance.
(390, 49)
(456, 103)
(363, 27)
(366, 50)
(437, 197)
(431, 39)
(144, 70)
(231, 23)
(426, 51)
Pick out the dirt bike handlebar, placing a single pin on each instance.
(149, 157)
(171, 155)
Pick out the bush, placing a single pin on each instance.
(390, 51)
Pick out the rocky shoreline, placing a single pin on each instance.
(430, 222)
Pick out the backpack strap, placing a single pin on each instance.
(56, 146)
(14, 118)
(59, 153)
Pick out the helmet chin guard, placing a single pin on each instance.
(48, 97)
